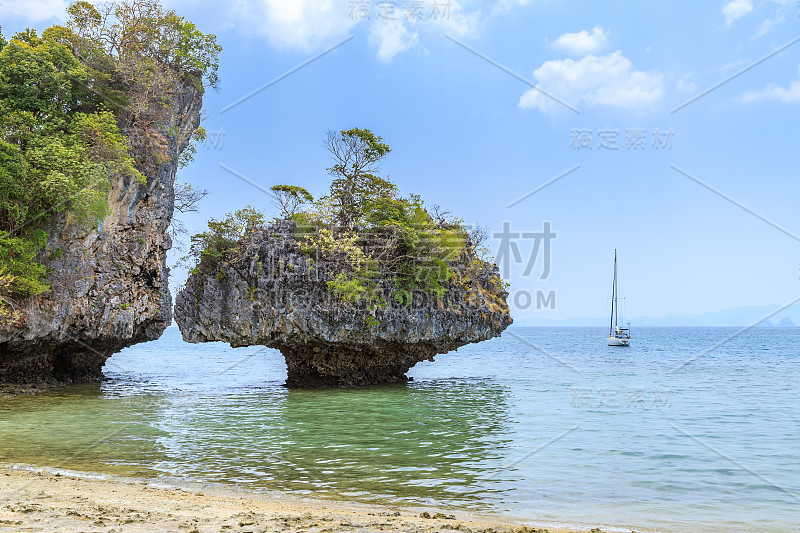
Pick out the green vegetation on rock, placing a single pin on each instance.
(210, 247)
(81, 106)
(362, 225)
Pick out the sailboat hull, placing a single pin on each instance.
(616, 341)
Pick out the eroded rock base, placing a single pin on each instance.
(64, 364)
(349, 366)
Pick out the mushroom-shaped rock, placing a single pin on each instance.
(271, 291)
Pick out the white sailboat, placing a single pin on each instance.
(617, 336)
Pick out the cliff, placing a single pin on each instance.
(270, 293)
(109, 287)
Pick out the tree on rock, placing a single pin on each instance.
(289, 198)
(356, 154)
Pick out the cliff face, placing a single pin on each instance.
(110, 285)
(271, 294)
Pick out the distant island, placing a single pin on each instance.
(735, 317)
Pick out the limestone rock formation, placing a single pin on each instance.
(271, 294)
(110, 285)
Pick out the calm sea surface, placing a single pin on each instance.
(686, 430)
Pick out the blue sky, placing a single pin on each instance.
(468, 134)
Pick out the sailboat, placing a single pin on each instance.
(617, 336)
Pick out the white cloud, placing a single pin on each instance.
(608, 80)
(583, 42)
(775, 92)
(34, 10)
(391, 37)
(302, 24)
(503, 6)
(686, 85)
(736, 9)
(309, 25)
(459, 23)
(394, 36)
(766, 26)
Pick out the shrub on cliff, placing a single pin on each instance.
(82, 105)
(210, 247)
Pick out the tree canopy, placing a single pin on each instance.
(289, 198)
(82, 105)
(356, 155)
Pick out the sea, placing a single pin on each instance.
(688, 429)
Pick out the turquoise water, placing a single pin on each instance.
(545, 423)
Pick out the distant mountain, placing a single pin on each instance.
(566, 322)
(737, 316)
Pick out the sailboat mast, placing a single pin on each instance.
(616, 292)
(613, 295)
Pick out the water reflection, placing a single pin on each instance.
(413, 443)
(80, 428)
(410, 442)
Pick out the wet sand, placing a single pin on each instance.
(31, 501)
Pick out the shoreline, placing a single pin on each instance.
(36, 500)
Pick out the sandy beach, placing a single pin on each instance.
(32, 501)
